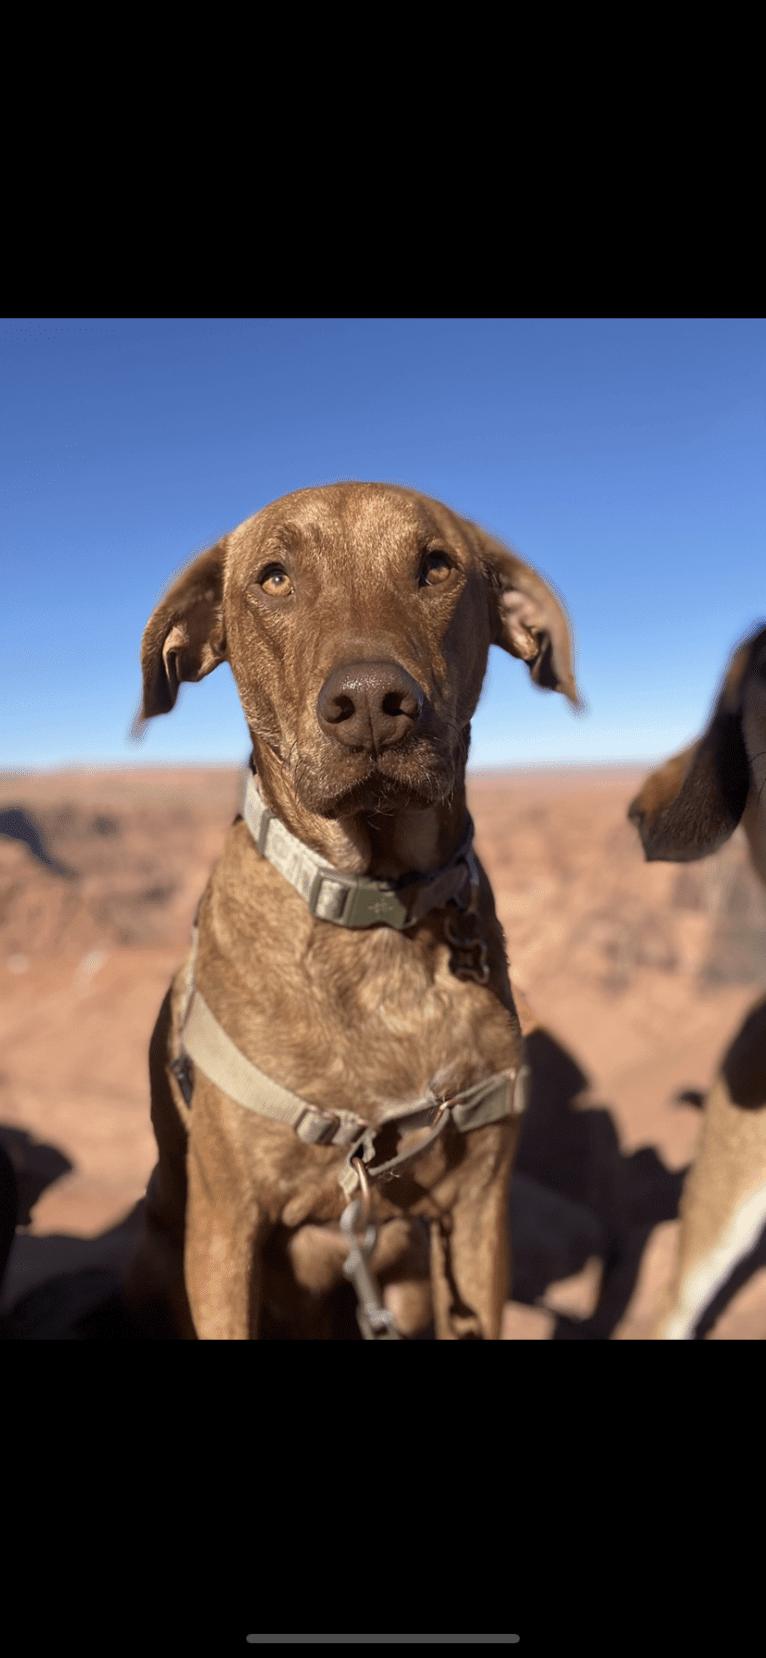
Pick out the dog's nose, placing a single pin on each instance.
(369, 705)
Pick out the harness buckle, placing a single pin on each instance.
(315, 1129)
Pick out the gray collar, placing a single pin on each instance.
(357, 900)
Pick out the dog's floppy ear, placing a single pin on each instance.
(527, 618)
(184, 638)
(691, 805)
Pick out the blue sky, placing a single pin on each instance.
(624, 459)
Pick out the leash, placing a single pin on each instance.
(375, 1321)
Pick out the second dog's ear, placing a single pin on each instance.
(184, 638)
(691, 805)
(527, 619)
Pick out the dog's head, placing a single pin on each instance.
(357, 621)
(691, 805)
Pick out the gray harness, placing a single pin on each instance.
(353, 901)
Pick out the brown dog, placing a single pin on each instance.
(686, 810)
(357, 621)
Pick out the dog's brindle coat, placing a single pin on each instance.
(357, 621)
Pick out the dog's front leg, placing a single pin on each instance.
(723, 1207)
(470, 1246)
(154, 1290)
(224, 1223)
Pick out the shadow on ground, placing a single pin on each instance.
(18, 825)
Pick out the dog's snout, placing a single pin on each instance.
(369, 705)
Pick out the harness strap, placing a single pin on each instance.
(487, 1102)
(208, 1045)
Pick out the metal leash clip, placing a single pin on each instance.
(375, 1321)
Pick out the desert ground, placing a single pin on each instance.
(632, 979)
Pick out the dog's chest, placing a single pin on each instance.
(343, 1016)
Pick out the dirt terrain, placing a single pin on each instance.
(634, 978)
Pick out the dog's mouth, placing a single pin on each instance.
(402, 779)
(378, 796)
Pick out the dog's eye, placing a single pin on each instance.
(435, 569)
(276, 582)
